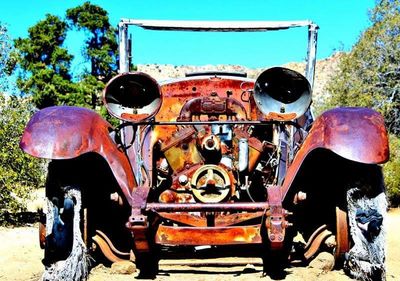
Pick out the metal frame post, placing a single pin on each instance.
(123, 47)
(311, 53)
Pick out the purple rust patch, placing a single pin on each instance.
(357, 134)
(64, 132)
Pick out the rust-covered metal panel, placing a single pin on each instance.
(354, 133)
(357, 134)
(203, 207)
(220, 220)
(342, 233)
(65, 132)
(176, 93)
(169, 235)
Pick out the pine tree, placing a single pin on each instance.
(45, 63)
(101, 44)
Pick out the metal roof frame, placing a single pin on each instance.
(217, 26)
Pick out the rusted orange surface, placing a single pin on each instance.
(220, 220)
(176, 94)
(208, 235)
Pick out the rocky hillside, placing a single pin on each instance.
(324, 69)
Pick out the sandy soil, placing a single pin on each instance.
(20, 259)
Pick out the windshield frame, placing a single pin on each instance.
(216, 26)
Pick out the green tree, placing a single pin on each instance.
(5, 51)
(101, 44)
(19, 173)
(391, 172)
(370, 76)
(45, 63)
(100, 47)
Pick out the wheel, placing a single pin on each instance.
(66, 256)
(84, 185)
(366, 210)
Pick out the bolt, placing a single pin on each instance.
(114, 196)
(287, 224)
(164, 165)
(287, 213)
(299, 197)
(183, 180)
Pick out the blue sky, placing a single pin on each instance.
(341, 22)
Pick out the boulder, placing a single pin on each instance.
(123, 267)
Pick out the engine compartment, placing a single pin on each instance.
(214, 163)
(214, 156)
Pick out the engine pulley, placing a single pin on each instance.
(210, 184)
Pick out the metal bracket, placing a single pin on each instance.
(276, 218)
(138, 223)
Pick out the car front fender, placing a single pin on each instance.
(357, 134)
(65, 132)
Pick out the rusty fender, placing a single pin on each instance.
(356, 134)
(65, 132)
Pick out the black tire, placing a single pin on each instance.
(92, 176)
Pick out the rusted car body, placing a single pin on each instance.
(217, 160)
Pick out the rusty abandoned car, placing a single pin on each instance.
(211, 164)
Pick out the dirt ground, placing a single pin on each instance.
(20, 259)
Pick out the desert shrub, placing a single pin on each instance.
(20, 173)
(391, 172)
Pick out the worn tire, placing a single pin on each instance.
(74, 264)
(366, 210)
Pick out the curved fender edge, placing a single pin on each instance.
(354, 133)
(65, 132)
